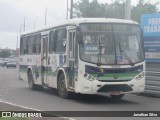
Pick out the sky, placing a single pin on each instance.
(13, 12)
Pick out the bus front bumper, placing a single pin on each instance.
(96, 87)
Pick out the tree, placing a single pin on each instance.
(84, 8)
(117, 9)
(143, 8)
(5, 53)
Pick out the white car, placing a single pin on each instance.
(11, 63)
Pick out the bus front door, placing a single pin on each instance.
(44, 60)
(72, 58)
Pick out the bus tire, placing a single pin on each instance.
(116, 97)
(32, 86)
(62, 90)
(39, 87)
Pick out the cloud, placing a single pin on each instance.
(32, 10)
(12, 13)
(7, 17)
(8, 39)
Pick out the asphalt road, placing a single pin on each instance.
(16, 91)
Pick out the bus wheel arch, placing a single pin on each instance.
(61, 85)
(31, 83)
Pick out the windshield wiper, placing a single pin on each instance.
(125, 54)
(99, 54)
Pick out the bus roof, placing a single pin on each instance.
(78, 21)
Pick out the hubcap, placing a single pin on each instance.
(62, 86)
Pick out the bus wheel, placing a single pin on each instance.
(62, 90)
(116, 97)
(32, 86)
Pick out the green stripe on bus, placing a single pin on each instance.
(116, 74)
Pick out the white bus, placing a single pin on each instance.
(87, 56)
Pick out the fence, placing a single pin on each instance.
(153, 78)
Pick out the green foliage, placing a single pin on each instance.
(93, 9)
(143, 8)
(5, 53)
(86, 9)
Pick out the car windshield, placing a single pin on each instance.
(111, 44)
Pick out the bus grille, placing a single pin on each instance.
(112, 88)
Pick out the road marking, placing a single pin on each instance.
(2, 101)
(18, 105)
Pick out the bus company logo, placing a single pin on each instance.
(115, 76)
(6, 114)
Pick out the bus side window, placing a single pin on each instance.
(76, 51)
(30, 44)
(34, 45)
(26, 47)
(23, 45)
(34, 48)
(24, 50)
(37, 43)
(51, 41)
(60, 40)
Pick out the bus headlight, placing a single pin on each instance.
(140, 76)
(88, 77)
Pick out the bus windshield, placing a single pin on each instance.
(111, 44)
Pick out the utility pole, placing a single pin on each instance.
(24, 25)
(71, 11)
(17, 45)
(20, 29)
(46, 17)
(17, 41)
(128, 9)
(67, 11)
